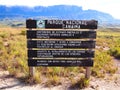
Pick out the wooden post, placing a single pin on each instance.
(31, 69)
(88, 72)
(88, 69)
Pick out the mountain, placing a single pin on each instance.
(57, 11)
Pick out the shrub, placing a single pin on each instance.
(80, 84)
(103, 64)
(23, 32)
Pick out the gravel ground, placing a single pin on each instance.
(8, 82)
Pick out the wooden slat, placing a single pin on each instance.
(61, 53)
(59, 62)
(60, 34)
(60, 44)
(31, 23)
(62, 24)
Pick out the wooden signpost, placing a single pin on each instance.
(61, 43)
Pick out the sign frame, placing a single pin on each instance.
(63, 24)
(77, 29)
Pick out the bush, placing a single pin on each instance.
(13, 57)
(23, 32)
(103, 64)
(115, 52)
(80, 84)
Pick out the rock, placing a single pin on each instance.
(92, 86)
(6, 44)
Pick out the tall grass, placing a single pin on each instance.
(13, 57)
(13, 51)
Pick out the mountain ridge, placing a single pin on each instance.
(56, 11)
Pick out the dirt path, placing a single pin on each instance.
(8, 82)
(118, 65)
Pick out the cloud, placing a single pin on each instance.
(54, 2)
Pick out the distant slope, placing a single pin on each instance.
(57, 11)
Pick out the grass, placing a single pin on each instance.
(110, 38)
(13, 50)
(13, 57)
(81, 83)
(103, 64)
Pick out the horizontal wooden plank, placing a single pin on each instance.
(60, 44)
(59, 63)
(62, 24)
(60, 34)
(61, 53)
(80, 24)
(31, 23)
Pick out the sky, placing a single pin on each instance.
(109, 6)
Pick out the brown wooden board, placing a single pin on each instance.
(62, 24)
(31, 23)
(60, 34)
(80, 24)
(60, 44)
(61, 53)
(60, 62)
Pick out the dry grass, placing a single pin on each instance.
(13, 57)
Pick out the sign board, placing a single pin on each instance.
(62, 24)
(60, 44)
(60, 62)
(60, 53)
(60, 34)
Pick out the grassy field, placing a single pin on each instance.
(13, 57)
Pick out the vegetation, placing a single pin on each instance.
(81, 83)
(13, 57)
